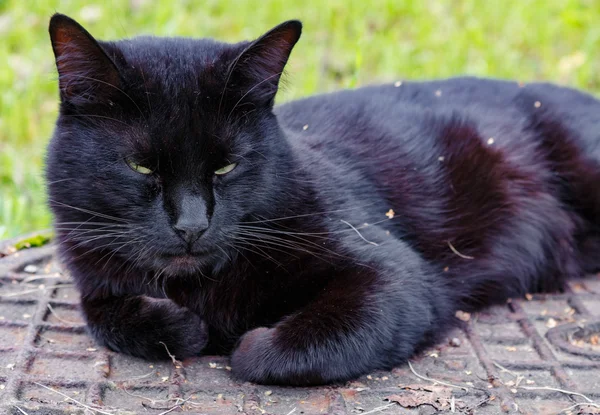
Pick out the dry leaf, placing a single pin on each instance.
(413, 396)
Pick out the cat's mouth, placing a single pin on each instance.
(183, 262)
(194, 255)
(180, 263)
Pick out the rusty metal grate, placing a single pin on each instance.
(512, 358)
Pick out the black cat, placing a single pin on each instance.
(318, 240)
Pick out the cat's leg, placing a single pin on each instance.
(371, 316)
(145, 327)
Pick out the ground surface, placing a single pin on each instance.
(345, 44)
(514, 358)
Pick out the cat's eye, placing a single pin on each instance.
(226, 169)
(137, 167)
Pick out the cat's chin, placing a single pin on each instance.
(180, 264)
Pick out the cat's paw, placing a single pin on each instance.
(184, 334)
(252, 359)
(152, 327)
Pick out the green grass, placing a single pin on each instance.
(346, 43)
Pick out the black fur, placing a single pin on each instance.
(300, 274)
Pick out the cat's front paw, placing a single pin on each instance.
(148, 328)
(252, 359)
(185, 334)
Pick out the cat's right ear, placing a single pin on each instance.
(85, 72)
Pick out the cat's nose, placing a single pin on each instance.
(190, 232)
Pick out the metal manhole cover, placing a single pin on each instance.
(581, 339)
(522, 357)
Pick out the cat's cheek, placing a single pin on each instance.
(252, 359)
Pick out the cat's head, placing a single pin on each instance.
(163, 145)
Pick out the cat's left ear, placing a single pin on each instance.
(257, 70)
(86, 73)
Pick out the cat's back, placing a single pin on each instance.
(403, 109)
(482, 166)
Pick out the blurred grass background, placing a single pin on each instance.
(346, 43)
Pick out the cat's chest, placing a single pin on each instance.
(234, 304)
(231, 304)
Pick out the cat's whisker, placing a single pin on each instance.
(297, 241)
(91, 212)
(114, 242)
(225, 253)
(140, 252)
(308, 214)
(89, 223)
(232, 246)
(268, 78)
(276, 245)
(252, 245)
(156, 278)
(85, 240)
(59, 181)
(87, 229)
(123, 263)
(99, 116)
(114, 251)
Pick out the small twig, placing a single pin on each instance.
(499, 366)
(292, 411)
(169, 410)
(62, 320)
(435, 380)
(20, 293)
(138, 377)
(359, 234)
(22, 411)
(518, 378)
(33, 290)
(177, 405)
(173, 358)
(151, 400)
(548, 388)
(458, 253)
(378, 409)
(73, 400)
(594, 405)
(40, 277)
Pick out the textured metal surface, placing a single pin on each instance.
(514, 358)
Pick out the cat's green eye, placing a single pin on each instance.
(137, 167)
(226, 169)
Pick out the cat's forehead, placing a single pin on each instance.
(177, 83)
(175, 64)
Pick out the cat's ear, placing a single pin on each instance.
(86, 73)
(258, 68)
